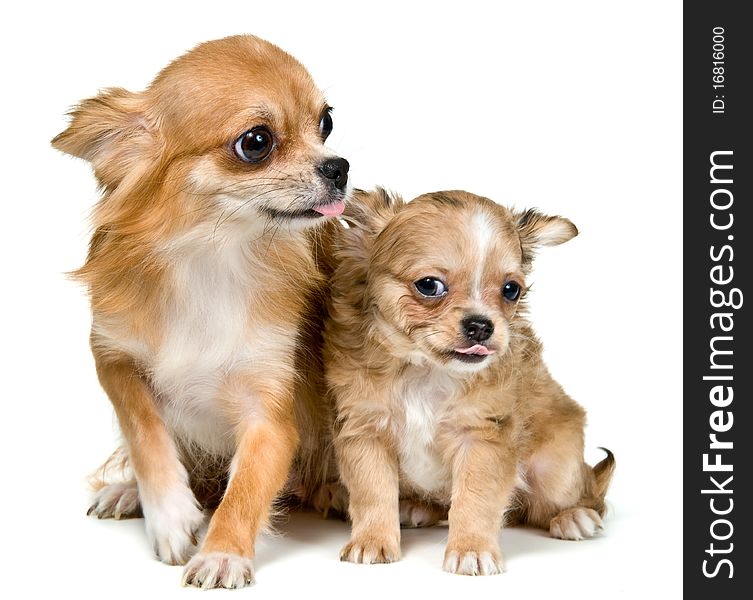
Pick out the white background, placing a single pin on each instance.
(573, 107)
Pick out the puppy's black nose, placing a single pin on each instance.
(477, 328)
(336, 170)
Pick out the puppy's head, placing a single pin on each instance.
(232, 131)
(448, 273)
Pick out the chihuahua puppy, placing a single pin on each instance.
(439, 383)
(206, 273)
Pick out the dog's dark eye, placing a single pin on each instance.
(431, 287)
(511, 291)
(254, 145)
(325, 124)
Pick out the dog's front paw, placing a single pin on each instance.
(486, 561)
(575, 524)
(116, 501)
(370, 549)
(219, 570)
(172, 526)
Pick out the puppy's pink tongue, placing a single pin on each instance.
(331, 210)
(478, 349)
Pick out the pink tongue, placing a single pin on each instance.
(331, 210)
(477, 349)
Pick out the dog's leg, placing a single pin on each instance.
(116, 491)
(171, 513)
(330, 498)
(265, 450)
(484, 474)
(117, 500)
(557, 498)
(368, 467)
(420, 513)
(565, 495)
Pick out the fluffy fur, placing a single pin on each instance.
(207, 278)
(471, 424)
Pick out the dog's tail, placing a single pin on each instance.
(602, 477)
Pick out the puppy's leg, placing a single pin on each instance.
(330, 498)
(420, 513)
(484, 475)
(557, 482)
(171, 512)
(265, 450)
(565, 495)
(368, 467)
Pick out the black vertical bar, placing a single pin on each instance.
(717, 399)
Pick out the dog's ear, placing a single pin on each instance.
(537, 229)
(112, 132)
(371, 211)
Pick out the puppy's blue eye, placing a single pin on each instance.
(511, 291)
(254, 145)
(325, 124)
(431, 287)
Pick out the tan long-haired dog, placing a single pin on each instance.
(205, 279)
(441, 392)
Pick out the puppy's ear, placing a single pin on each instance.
(371, 211)
(112, 132)
(537, 229)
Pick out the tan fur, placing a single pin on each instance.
(498, 438)
(186, 238)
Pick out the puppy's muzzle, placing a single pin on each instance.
(477, 329)
(335, 170)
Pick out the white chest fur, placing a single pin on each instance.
(210, 335)
(422, 396)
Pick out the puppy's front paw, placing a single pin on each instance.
(370, 549)
(575, 524)
(219, 570)
(172, 526)
(116, 501)
(487, 561)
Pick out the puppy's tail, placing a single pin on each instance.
(602, 474)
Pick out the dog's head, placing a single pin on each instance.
(232, 131)
(447, 275)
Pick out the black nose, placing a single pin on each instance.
(336, 169)
(477, 329)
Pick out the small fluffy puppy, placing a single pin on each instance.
(206, 274)
(443, 401)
